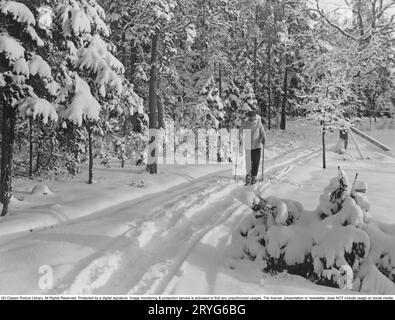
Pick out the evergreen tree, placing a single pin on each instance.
(25, 79)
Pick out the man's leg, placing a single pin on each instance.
(255, 159)
(248, 161)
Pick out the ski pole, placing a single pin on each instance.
(263, 161)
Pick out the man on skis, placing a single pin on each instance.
(254, 141)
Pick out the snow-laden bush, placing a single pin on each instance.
(339, 244)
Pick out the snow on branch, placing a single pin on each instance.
(161, 8)
(96, 16)
(333, 24)
(45, 17)
(338, 244)
(38, 66)
(35, 37)
(36, 107)
(99, 60)
(83, 105)
(21, 67)
(19, 11)
(82, 18)
(12, 49)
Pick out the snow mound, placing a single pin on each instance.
(337, 245)
(246, 198)
(372, 281)
(41, 190)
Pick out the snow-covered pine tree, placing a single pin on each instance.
(333, 245)
(24, 77)
(232, 105)
(92, 74)
(212, 105)
(248, 100)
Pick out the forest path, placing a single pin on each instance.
(146, 257)
(136, 247)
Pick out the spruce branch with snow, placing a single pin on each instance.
(338, 244)
(23, 72)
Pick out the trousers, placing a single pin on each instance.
(253, 158)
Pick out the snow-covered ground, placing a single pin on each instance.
(171, 235)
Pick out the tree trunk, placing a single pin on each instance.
(161, 118)
(277, 98)
(207, 149)
(124, 54)
(124, 135)
(133, 60)
(285, 97)
(30, 147)
(269, 85)
(38, 158)
(219, 147)
(90, 170)
(7, 148)
(256, 54)
(220, 81)
(323, 146)
(219, 141)
(255, 65)
(152, 165)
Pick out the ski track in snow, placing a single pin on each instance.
(148, 256)
(140, 247)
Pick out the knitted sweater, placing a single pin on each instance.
(254, 134)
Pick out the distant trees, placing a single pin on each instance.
(366, 42)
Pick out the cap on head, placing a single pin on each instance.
(251, 113)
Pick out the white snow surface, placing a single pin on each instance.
(174, 235)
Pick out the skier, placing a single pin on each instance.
(254, 140)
